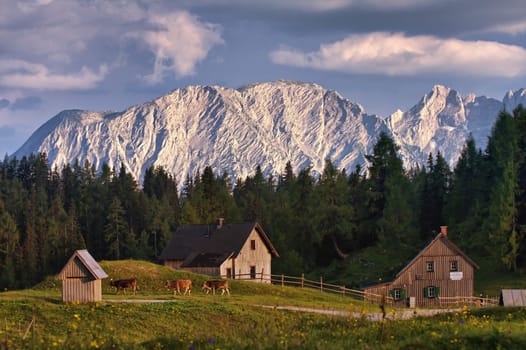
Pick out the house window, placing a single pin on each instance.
(253, 244)
(431, 292)
(398, 294)
(453, 266)
(430, 266)
(252, 272)
(228, 272)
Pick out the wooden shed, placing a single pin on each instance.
(81, 278)
(513, 297)
(440, 274)
(237, 250)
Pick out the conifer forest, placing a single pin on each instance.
(313, 220)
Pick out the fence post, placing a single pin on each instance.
(343, 290)
(321, 283)
(6, 332)
(262, 269)
(282, 280)
(302, 279)
(33, 332)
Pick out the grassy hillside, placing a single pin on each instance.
(236, 322)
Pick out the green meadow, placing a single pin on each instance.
(37, 319)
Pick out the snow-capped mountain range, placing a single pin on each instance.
(266, 124)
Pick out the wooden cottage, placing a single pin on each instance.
(237, 250)
(81, 278)
(439, 275)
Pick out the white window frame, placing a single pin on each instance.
(430, 266)
(397, 294)
(431, 292)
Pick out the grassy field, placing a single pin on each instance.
(220, 322)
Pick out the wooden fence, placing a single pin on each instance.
(322, 286)
(472, 301)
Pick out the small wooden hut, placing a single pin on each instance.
(513, 297)
(81, 278)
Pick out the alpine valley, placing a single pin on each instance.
(265, 124)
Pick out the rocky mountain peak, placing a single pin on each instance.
(265, 124)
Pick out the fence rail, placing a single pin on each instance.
(474, 301)
(322, 286)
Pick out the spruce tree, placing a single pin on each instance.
(334, 217)
(115, 230)
(9, 249)
(503, 169)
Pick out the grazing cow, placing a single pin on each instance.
(123, 284)
(178, 285)
(213, 285)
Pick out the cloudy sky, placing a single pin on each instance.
(383, 54)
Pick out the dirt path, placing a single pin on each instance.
(370, 316)
(139, 300)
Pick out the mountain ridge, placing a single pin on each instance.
(266, 124)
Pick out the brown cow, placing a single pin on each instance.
(213, 285)
(178, 285)
(123, 284)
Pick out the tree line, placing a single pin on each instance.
(312, 219)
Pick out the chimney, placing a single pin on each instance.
(220, 222)
(443, 230)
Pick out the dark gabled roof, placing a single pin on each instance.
(206, 259)
(88, 261)
(443, 237)
(189, 241)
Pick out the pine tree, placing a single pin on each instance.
(519, 240)
(433, 196)
(467, 199)
(390, 204)
(9, 249)
(503, 167)
(334, 217)
(115, 230)
(302, 228)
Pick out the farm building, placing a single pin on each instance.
(81, 278)
(439, 275)
(237, 250)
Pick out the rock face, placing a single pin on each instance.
(266, 124)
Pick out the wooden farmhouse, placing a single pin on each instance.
(438, 275)
(237, 250)
(81, 278)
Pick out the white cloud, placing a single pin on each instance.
(509, 28)
(396, 54)
(179, 43)
(314, 5)
(23, 74)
